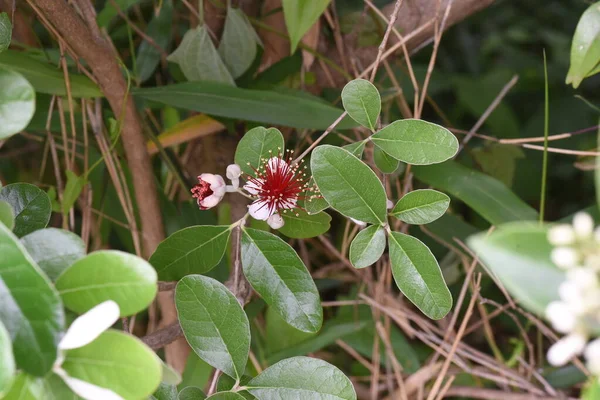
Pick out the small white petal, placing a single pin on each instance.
(583, 224)
(561, 317)
(561, 235)
(565, 349)
(276, 162)
(219, 190)
(210, 201)
(275, 221)
(216, 181)
(592, 350)
(564, 257)
(235, 185)
(389, 204)
(584, 278)
(572, 295)
(210, 178)
(87, 327)
(359, 223)
(253, 187)
(87, 390)
(597, 234)
(289, 203)
(233, 171)
(260, 210)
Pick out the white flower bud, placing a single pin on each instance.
(572, 295)
(565, 349)
(584, 278)
(390, 204)
(275, 221)
(583, 225)
(561, 317)
(592, 356)
(561, 235)
(233, 171)
(564, 257)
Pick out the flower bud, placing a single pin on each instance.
(233, 171)
(275, 221)
(209, 191)
(566, 348)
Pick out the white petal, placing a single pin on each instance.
(564, 257)
(260, 210)
(276, 162)
(233, 171)
(210, 178)
(210, 201)
(583, 225)
(275, 221)
(289, 203)
(216, 181)
(389, 204)
(584, 278)
(87, 327)
(253, 187)
(565, 349)
(561, 235)
(561, 317)
(592, 350)
(87, 390)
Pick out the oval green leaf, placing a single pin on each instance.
(7, 360)
(5, 31)
(214, 323)
(104, 275)
(193, 250)
(356, 148)
(362, 102)
(54, 250)
(348, 184)
(226, 396)
(302, 378)
(164, 392)
(300, 16)
(160, 30)
(384, 162)
(7, 216)
(301, 225)
(26, 387)
(31, 309)
(418, 275)
(519, 254)
(31, 207)
(258, 144)
(585, 49)
(17, 103)
(280, 277)
(191, 393)
(367, 247)
(238, 43)
(421, 206)
(116, 361)
(416, 142)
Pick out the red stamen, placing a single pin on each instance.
(201, 191)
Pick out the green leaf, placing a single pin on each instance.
(56, 389)
(238, 43)
(279, 276)
(302, 378)
(169, 375)
(348, 184)
(519, 254)
(26, 387)
(198, 58)
(591, 390)
(356, 148)
(31, 207)
(160, 30)
(17, 103)
(301, 225)
(314, 204)
(362, 102)
(226, 396)
(116, 361)
(191, 393)
(367, 247)
(165, 392)
(54, 250)
(7, 216)
(214, 323)
(384, 162)
(72, 190)
(258, 144)
(421, 206)
(104, 275)
(5, 31)
(498, 160)
(109, 12)
(7, 360)
(193, 250)
(585, 49)
(300, 15)
(416, 142)
(418, 275)
(46, 78)
(31, 309)
(263, 106)
(484, 194)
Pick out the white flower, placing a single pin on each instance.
(592, 356)
(573, 295)
(565, 349)
(84, 330)
(584, 278)
(560, 315)
(583, 225)
(209, 191)
(564, 257)
(275, 221)
(561, 235)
